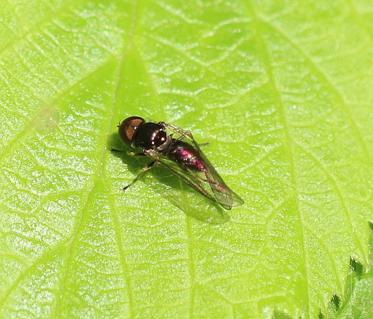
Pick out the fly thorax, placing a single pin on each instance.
(165, 145)
(150, 136)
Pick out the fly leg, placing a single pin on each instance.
(182, 132)
(141, 174)
(136, 154)
(177, 129)
(116, 150)
(204, 144)
(128, 153)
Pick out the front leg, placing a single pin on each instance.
(116, 150)
(129, 153)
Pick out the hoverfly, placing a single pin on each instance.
(177, 150)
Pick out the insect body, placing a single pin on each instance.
(186, 155)
(177, 150)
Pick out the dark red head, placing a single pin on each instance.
(127, 129)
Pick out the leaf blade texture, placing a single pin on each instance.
(282, 93)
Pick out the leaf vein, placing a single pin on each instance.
(288, 141)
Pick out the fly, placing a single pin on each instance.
(177, 150)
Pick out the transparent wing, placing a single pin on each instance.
(209, 183)
(223, 194)
(192, 178)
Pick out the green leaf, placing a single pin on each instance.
(280, 90)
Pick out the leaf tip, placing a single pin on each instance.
(356, 267)
(335, 302)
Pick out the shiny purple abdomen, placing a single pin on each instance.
(186, 155)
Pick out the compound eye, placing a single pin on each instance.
(159, 138)
(128, 127)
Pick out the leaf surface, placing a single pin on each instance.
(280, 90)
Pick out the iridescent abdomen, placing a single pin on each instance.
(186, 155)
